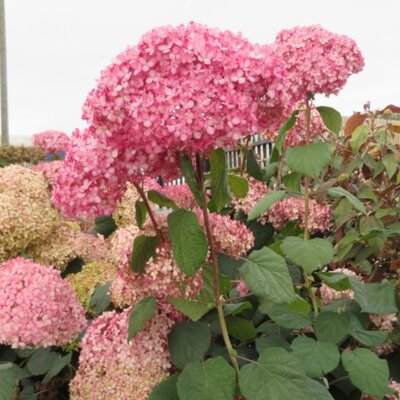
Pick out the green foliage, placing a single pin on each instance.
(144, 248)
(105, 225)
(265, 203)
(191, 179)
(238, 185)
(166, 390)
(140, 213)
(189, 244)
(219, 179)
(160, 199)
(141, 313)
(100, 299)
(332, 118)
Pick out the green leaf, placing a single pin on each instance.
(332, 118)
(308, 160)
(225, 284)
(367, 371)
(343, 212)
(265, 203)
(27, 393)
(308, 254)
(286, 127)
(332, 326)
(160, 199)
(292, 182)
(190, 178)
(211, 380)
(359, 137)
(369, 338)
(391, 163)
(100, 299)
(239, 186)
(140, 213)
(144, 248)
(300, 306)
(192, 308)
(189, 244)
(266, 275)
(340, 192)
(240, 328)
(9, 378)
(237, 308)
(276, 375)
(166, 390)
(57, 366)
(318, 391)
(284, 316)
(335, 280)
(188, 341)
(318, 358)
(40, 361)
(253, 168)
(105, 225)
(141, 312)
(376, 298)
(219, 179)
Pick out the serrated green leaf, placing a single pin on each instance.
(239, 186)
(213, 379)
(141, 312)
(188, 341)
(331, 118)
(308, 160)
(144, 248)
(318, 358)
(188, 241)
(265, 203)
(276, 375)
(160, 199)
(309, 254)
(367, 371)
(266, 275)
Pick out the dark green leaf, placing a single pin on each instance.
(253, 168)
(9, 378)
(332, 326)
(236, 308)
(266, 275)
(318, 358)
(239, 186)
(332, 118)
(192, 308)
(219, 179)
(188, 241)
(367, 371)
(287, 126)
(166, 390)
(100, 299)
(335, 280)
(308, 254)
(40, 361)
(190, 178)
(284, 316)
(369, 338)
(276, 375)
(340, 192)
(160, 199)
(240, 328)
(265, 203)
(308, 160)
(140, 213)
(211, 380)
(57, 366)
(141, 312)
(144, 248)
(105, 225)
(188, 341)
(292, 182)
(318, 391)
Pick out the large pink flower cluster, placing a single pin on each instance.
(186, 88)
(292, 209)
(180, 194)
(111, 368)
(52, 141)
(317, 61)
(37, 307)
(162, 277)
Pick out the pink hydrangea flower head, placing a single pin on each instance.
(186, 88)
(49, 170)
(51, 142)
(111, 368)
(38, 307)
(180, 194)
(292, 209)
(316, 60)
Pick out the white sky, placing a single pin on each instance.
(57, 48)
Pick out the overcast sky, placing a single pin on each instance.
(57, 48)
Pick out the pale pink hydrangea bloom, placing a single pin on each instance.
(316, 60)
(111, 368)
(329, 295)
(230, 237)
(384, 322)
(162, 278)
(180, 194)
(292, 209)
(257, 190)
(51, 142)
(188, 87)
(38, 307)
(49, 170)
(121, 242)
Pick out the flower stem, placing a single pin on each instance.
(149, 210)
(214, 261)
